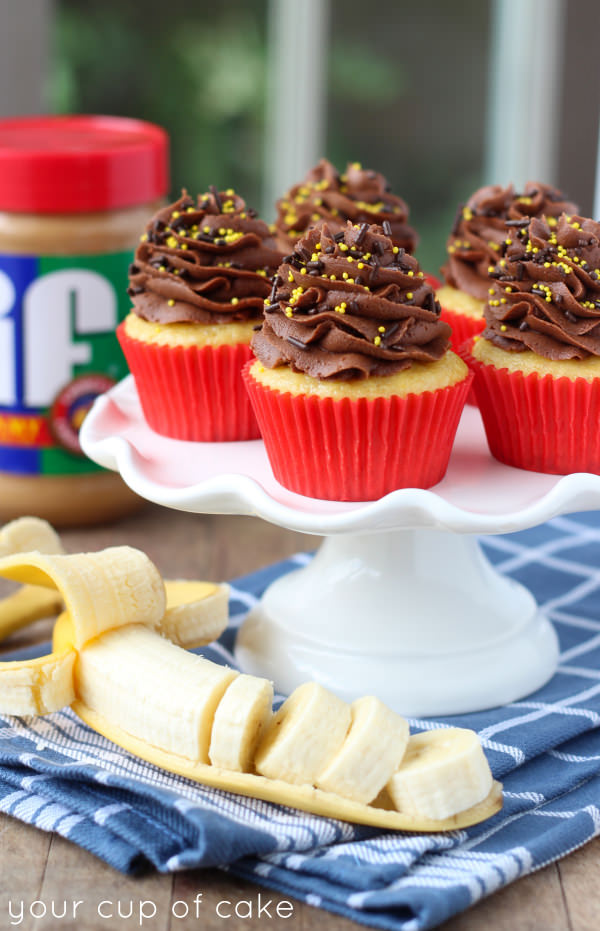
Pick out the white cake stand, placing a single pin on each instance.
(399, 601)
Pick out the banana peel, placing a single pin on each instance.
(122, 620)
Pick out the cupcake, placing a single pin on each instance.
(354, 388)
(537, 365)
(198, 282)
(474, 246)
(359, 195)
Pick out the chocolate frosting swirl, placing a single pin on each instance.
(203, 262)
(546, 295)
(349, 305)
(479, 230)
(359, 195)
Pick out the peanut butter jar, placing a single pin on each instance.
(75, 192)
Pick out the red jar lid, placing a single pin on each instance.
(74, 164)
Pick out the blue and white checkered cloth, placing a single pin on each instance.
(59, 775)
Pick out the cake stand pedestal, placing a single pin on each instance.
(399, 601)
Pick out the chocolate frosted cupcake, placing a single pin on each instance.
(538, 363)
(358, 195)
(198, 283)
(475, 244)
(353, 386)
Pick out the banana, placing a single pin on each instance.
(196, 612)
(152, 689)
(370, 754)
(118, 661)
(27, 534)
(443, 772)
(304, 735)
(26, 605)
(104, 590)
(240, 720)
(37, 686)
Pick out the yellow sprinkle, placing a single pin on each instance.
(290, 276)
(144, 237)
(349, 258)
(288, 312)
(343, 247)
(381, 329)
(344, 274)
(377, 340)
(332, 278)
(303, 271)
(503, 328)
(409, 295)
(490, 290)
(411, 274)
(361, 265)
(171, 303)
(234, 300)
(395, 250)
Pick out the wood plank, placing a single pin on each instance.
(23, 854)
(579, 879)
(534, 903)
(107, 898)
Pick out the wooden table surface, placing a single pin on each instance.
(36, 867)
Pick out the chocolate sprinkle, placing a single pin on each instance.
(386, 227)
(296, 342)
(524, 222)
(217, 198)
(361, 233)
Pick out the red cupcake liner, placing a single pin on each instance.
(192, 393)
(435, 283)
(463, 326)
(538, 422)
(357, 449)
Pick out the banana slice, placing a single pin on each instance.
(101, 591)
(152, 689)
(240, 721)
(197, 612)
(370, 754)
(27, 534)
(443, 772)
(304, 735)
(37, 686)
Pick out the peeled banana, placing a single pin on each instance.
(305, 734)
(117, 661)
(443, 771)
(370, 754)
(29, 602)
(240, 721)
